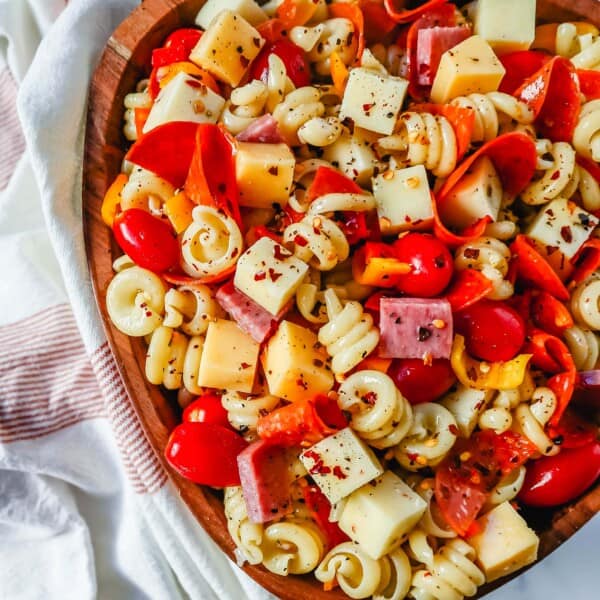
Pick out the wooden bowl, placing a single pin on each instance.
(125, 60)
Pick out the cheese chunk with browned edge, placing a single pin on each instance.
(229, 359)
(340, 464)
(248, 9)
(469, 67)
(264, 174)
(227, 47)
(379, 515)
(506, 25)
(373, 101)
(504, 543)
(403, 199)
(294, 363)
(269, 274)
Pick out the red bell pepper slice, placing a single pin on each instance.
(407, 16)
(520, 66)
(533, 268)
(589, 83)
(572, 431)
(272, 30)
(320, 509)
(353, 13)
(563, 386)
(469, 286)
(256, 232)
(587, 261)
(166, 150)
(176, 48)
(462, 121)
(211, 179)
(431, 14)
(550, 315)
(378, 24)
(553, 95)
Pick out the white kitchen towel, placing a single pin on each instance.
(86, 509)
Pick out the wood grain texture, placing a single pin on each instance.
(125, 60)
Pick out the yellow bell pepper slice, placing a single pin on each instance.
(484, 375)
(167, 72)
(112, 199)
(379, 269)
(339, 73)
(178, 209)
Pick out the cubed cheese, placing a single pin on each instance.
(403, 199)
(340, 464)
(469, 67)
(264, 173)
(380, 514)
(373, 101)
(184, 98)
(478, 194)
(229, 358)
(269, 274)
(294, 363)
(248, 9)
(353, 155)
(560, 229)
(466, 404)
(415, 328)
(506, 25)
(432, 42)
(504, 543)
(227, 47)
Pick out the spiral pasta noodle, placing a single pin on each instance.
(584, 346)
(586, 136)
(585, 303)
(507, 488)
(379, 412)
(191, 309)
(298, 107)
(211, 244)
(247, 536)
(429, 438)
(146, 191)
(392, 57)
(499, 417)
(138, 99)
(432, 522)
(423, 139)
(243, 412)
(349, 335)
(491, 257)
(531, 418)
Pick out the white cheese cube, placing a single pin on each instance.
(478, 194)
(248, 9)
(269, 274)
(466, 404)
(185, 98)
(264, 173)
(505, 543)
(353, 155)
(295, 364)
(229, 358)
(373, 101)
(403, 199)
(506, 25)
(340, 464)
(469, 67)
(379, 515)
(560, 229)
(227, 47)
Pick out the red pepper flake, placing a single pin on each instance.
(471, 253)
(367, 107)
(260, 276)
(412, 456)
(337, 471)
(555, 175)
(313, 455)
(301, 383)
(193, 83)
(148, 313)
(274, 275)
(566, 234)
(300, 241)
(370, 398)
(274, 170)
(280, 253)
(245, 365)
(453, 429)
(244, 61)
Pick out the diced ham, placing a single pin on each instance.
(265, 480)
(431, 44)
(264, 130)
(415, 328)
(251, 318)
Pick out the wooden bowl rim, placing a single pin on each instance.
(120, 65)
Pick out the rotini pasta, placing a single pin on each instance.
(138, 99)
(247, 536)
(243, 412)
(432, 522)
(146, 191)
(585, 303)
(584, 346)
(298, 107)
(530, 420)
(507, 488)
(191, 309)
(586, 137)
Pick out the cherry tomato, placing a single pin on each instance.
(554, 480)
(293, 58)
(205, 453)
(148, 241)
(431, 264)
(419, 382)
(207, 409)
(492, 330)
(465, 478)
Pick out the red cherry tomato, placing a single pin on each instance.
(419, 382)
(492, 330)
(205, 453)
(554, 480)
(149, 241)
(207, 409)
(431, 264)
(293, 58)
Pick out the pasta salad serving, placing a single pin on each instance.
(361, 243)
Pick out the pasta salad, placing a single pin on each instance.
(361, 243)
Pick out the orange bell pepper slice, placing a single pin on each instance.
(407, 16)
(339, 73)
(178, 209)
(353, 13)
(112, 199)
(295, 12)
(140, 116)
(166, 73)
